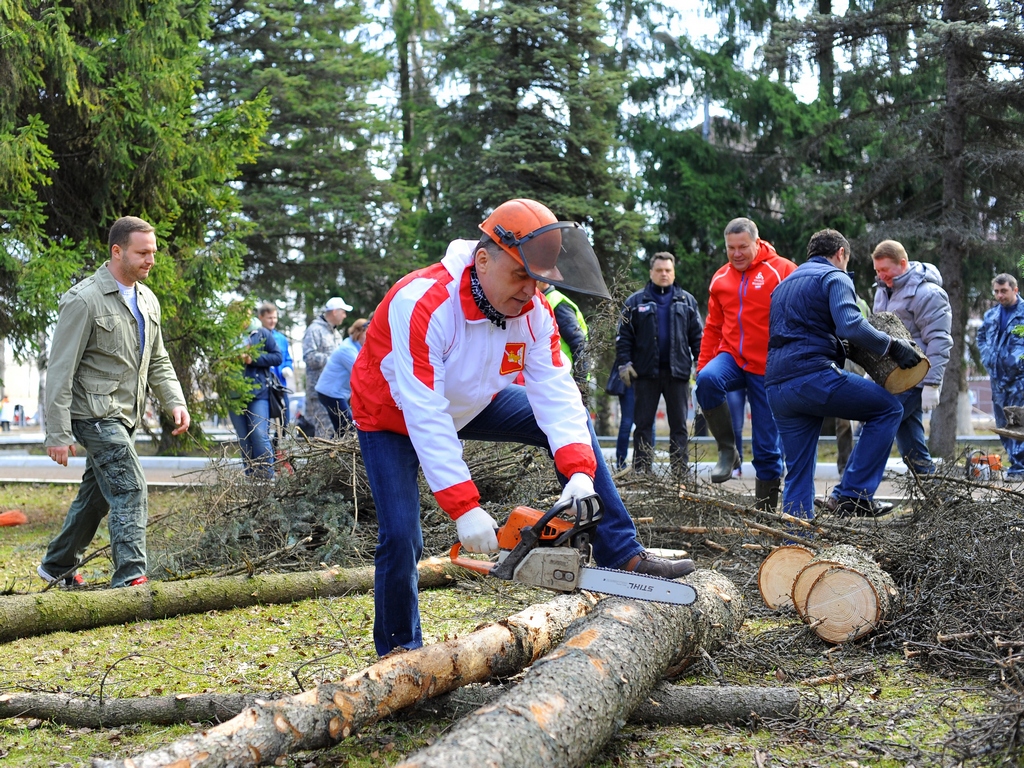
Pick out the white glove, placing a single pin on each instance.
(580, 486)
(476, 531)
(929, 397)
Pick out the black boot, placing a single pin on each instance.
(719, 422)
(766, 494)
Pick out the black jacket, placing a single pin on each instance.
(637, 340)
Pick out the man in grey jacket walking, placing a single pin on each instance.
(107, 349)
(913, 291)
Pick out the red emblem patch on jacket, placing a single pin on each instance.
(512, 362)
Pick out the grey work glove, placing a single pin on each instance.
(903, 352)
(628, 374)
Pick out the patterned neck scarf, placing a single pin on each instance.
(481, 301)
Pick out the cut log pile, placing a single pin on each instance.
(841, 592)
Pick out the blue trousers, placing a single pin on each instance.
(338, 412)
(252, 426)
(1002, 397)
(800, 405)
(722, 375)
(391, 467)
(910, 436)
(113, 482)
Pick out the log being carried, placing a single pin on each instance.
(883, 369)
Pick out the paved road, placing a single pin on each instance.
(173, 471)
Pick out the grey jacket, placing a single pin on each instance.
(919, 301)
(95, 369)
(319, 341)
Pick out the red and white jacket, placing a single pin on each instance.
(738, 305)
(432, 362)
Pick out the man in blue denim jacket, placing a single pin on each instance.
(1002, 352)
(107, 350)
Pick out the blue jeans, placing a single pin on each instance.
(113, 482)
(722, 375)
(626, 403)
(801, 404)
(1014, 448)
(910, 436)
(253, 429)
(337, 411)
(649, 391)
(391, 468)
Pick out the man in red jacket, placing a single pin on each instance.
(437, 367)
(733, 354)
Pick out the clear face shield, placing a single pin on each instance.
(559, 254)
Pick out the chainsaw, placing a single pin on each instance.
(541, 549)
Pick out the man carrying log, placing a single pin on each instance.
(1002, 352)
(813, 312)
(733, 352)
(913, 292)
(438, 366)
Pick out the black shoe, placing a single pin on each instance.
(650, 565)
(847, 506)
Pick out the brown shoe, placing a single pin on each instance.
(650, 565)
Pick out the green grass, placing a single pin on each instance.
(897, 716)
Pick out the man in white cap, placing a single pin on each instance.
(319, 341)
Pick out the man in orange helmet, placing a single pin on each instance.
(444, 347)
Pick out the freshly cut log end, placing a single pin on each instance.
(838, 554)
(777, 573)
(845, 604)
(805, 580)
(882, 368)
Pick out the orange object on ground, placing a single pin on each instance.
(13, 517)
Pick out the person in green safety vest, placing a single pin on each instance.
(572, 328)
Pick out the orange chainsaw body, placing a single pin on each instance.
(525, 517)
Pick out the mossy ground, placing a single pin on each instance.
(892, 714)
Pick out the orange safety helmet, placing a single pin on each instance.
(548, 248)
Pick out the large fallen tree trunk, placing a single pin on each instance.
(667, 704)
(325, 715)
(73, 610)
(575, 699)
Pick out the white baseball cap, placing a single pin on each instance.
(337, 303)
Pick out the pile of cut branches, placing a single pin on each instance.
(319, 509)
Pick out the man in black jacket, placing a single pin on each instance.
(658, 342)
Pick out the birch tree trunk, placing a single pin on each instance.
(325, 715)
(574, 699)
